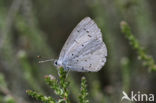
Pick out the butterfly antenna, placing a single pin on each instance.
(43, 61)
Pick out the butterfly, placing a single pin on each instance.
(84, 50)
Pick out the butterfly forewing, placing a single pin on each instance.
(79, 31)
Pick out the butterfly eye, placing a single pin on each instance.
(55, 62)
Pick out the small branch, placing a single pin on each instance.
(125, 66)
(13, 10)
(147, 60)
(64, 84)
(60, 88)
(40, 97)
(53, 83)
(84, 92)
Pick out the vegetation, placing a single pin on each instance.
(35, 27)
(60, 88)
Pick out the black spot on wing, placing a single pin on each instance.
(85, 30)
(90, 65)
(89, 36)
(82, 68)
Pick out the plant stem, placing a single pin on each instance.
(147, 60)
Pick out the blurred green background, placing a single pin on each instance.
(29, 28)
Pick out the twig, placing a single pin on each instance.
(147, 60)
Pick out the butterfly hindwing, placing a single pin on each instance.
(91, 58)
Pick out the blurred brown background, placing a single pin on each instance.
(29, 28)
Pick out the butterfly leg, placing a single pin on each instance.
(67, 73)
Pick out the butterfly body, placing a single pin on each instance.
(84, 49)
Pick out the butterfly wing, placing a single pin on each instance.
(91, 58)
(84, 43)
(77, 33)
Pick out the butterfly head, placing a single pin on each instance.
(57, 63)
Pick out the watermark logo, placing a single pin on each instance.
(137, 96)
